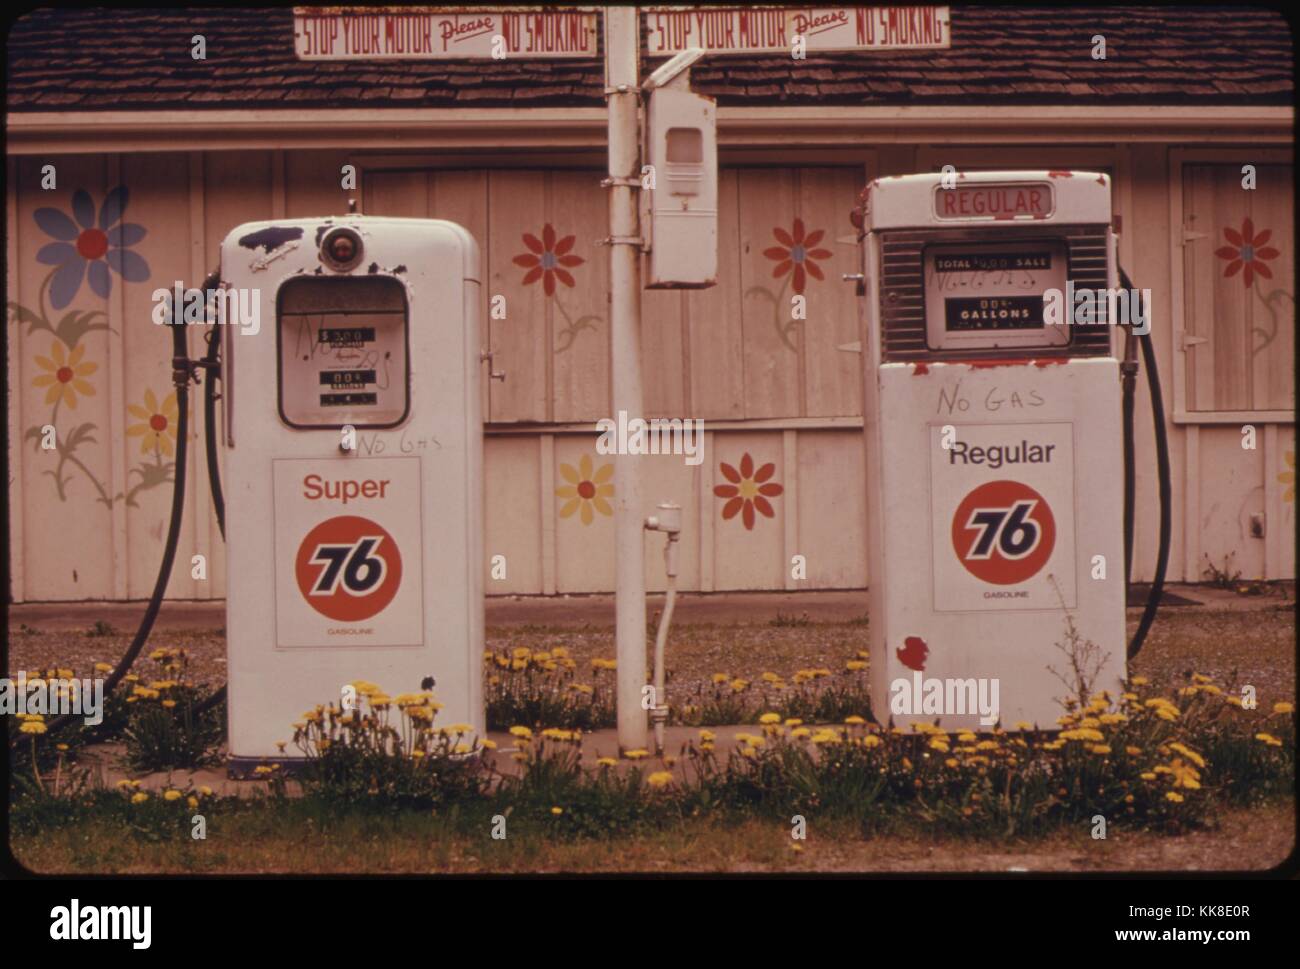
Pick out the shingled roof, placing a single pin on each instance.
(110, 60)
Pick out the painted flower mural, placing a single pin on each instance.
(549, 260)
(587, 490)
(155, 423)
(1248, 253)
(796, 261)
(797, 255)
(65, 375)
(86, 248)
(748, 491)
(90, 244)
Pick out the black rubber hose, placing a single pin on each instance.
(181, 376)
(1166, 488)
(1128, 384)
(210, 361)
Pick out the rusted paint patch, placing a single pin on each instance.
(271, 238)
(1016, 362)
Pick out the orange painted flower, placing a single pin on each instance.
(64, 375)
(797, 253)
(157, 423)
(586, 490)
(749, 490)
(1247, 250)
(548, 259)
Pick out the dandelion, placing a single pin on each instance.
(1283, 708)
(139, 798)
(606, 761)
(854, 720)
(557, 811)
(707, 736)
(171, 795)
(636, 754)
(1267, 738)
(521, 732)
(660, 778)
(33, 727)
(771, 718)
(1174, 796)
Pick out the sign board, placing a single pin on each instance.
(347, 554)
(442, 33)
(1003, 505)
(760, 30)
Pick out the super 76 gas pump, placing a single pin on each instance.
(354, 463)
(994, 448)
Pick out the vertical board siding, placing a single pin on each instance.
(1248, 329)
(728, 353)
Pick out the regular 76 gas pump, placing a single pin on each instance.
(354, 462)
(998, 445)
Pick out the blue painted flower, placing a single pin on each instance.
(89, 249)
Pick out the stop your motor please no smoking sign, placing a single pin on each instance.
(347, 559)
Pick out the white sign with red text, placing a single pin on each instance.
(442, 33)
(721, 30)
(347, 553)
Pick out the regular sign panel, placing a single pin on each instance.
(771, 30)
(441, 33)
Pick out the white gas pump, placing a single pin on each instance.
(993, 446)
(353, 470)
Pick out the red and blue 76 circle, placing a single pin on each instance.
(348, 568)
(1003, 532)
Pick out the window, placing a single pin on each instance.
(342, 344)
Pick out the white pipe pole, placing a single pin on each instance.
(622, 81)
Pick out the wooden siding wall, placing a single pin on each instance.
(89, 521)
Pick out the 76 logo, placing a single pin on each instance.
(348, 568)
(1003, 532)
(1008, 531)
(353, 567)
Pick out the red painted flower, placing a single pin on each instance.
(548, 259)
(749, 489)
(1247, 250)
(798, 253)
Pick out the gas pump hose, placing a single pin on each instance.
(1130, 471)
(183, 370)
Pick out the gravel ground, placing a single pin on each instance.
(1259, 646)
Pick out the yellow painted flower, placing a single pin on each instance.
(156, 424)
(65, 375)
(660, 778)
(587, 490)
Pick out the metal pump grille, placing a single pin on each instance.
(902, 293)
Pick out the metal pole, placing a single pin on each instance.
(622, 81)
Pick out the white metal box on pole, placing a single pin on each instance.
(994, 448)
(683, 225)
(354, 471)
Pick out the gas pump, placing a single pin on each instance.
(353, 508)
(994, 447)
